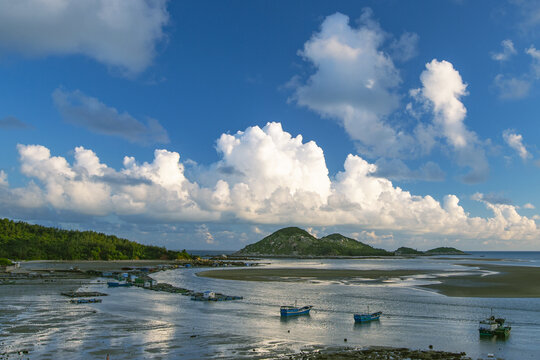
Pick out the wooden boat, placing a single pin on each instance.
(287, 310)
(367, 316)
(494, 326)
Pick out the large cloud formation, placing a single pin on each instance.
(121, 34)
(265, 176)
(356, 82)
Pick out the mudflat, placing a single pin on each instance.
(509, 282)
(503, 282)
(306, 274)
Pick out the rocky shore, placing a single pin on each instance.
(380, 353)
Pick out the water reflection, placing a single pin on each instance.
(137, 323)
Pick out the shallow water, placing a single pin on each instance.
(135, 323)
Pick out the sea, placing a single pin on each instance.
(134, 323)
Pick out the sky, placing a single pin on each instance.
(210, 124)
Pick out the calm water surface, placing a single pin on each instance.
(137, 323)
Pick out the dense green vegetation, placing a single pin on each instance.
(444, 251)
(294, 241)
(407, 251)
(5, 262)
(436, 251)
(22, 241)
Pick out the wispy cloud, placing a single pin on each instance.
(11, 122)
(507, 51)
(80, 109)
(495, 199)
(395, 169)
(515, 141)
(511, 87)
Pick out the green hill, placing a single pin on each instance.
(405, 251)
(294, 241)
(445, 251)
(408, 251)
(23, 241)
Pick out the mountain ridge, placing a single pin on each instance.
(294, 241)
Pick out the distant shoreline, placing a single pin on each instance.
(275, 256)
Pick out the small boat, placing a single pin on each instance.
(367, 316)
(118, 284)
(287, 310)
(85, 301)
(494, 326)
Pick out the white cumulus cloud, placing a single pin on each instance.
(265, 176)
(357, 83)
(354, 82)
(442, 88)
(121, 34)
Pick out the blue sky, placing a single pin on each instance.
(208, 125)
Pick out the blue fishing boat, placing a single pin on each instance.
(118, 284)
(287, 310)
(85, 301)
(367, 316)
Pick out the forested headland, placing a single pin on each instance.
(23, 241)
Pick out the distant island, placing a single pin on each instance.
(23, 241)
(293, 241)
(405, 251)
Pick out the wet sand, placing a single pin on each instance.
(306, 274)
(508, 282)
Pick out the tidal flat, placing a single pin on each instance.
(481, 280)
(135, 323)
